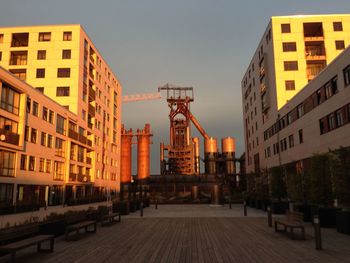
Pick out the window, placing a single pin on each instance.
(331, 121)
(7, 163)
(59, 170)
(33, 135)
(44, 36)
(83, 114)
(300, 110)
(45, 113)
(26, 134)
(301, 138)
(66, 54)
(23, 165)
(40, 89)
(51, 116)
(60, 124)
(67, 36)
(9, 99)
(40, 73)
(290, 85)
(19, 73)
(31, 163)
(41, 165)
(35, 109)
(291, 141)
(62, 91)
(339, 118)
(43, 138)
(285, 28)
(29, 104)
(49, 140)
(18, 58)
(339, 44)
(0, 55)
(63, 73)
(346, 72)
(290, 65)
(337, 26)
(41, 55)
(8, 125)
(289, 46)
(1, 38)
(48, 166)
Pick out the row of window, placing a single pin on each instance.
(66, 54)
(315, 99)
(311, 50)
(28, 164)
(337, 26)
(335, 119)
(22, 39)
(61, 73)
(283, 144)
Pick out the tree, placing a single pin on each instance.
(320, 180)
(277, 184)
(340, 175)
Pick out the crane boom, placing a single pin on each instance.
(141, 97)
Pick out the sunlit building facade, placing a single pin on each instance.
(291, 53)
(61, 62)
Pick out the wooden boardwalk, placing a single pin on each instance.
(193, 239)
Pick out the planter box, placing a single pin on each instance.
(343, 222)
(121, 207)
(55, 228)
(328, 217)
(307, 210)
(279, 208)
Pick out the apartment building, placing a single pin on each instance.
(61, 62)
(291, 53)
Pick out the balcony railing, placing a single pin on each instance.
(84, 178)
(60, 153)
(92, 93)
(82, 139)
(88, 160)
(9, 137)
(58, 176)
(73, 134)
(72, 177)
(91, 110)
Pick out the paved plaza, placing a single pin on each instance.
(193, 233)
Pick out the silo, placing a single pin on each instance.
(228, 153)
(195, 141)
(210, 155)
(125, 155)
(143, 152)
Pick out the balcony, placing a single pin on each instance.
(315, 52)
(262, 88)
(88, 160)
(20, 40)
(18, 58)
(84, 178)
(89, 142)
(60, 153)
(72, 177)
(82, 139)
(73, 135)
(262, 72)
(91, 110)
(9, 137)
(92, 93)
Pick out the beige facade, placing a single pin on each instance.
(292, 51)
(62, 62)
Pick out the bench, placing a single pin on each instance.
(110, 218)
(293, 220)
(17, 238)
(77, 222)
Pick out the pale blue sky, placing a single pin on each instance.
(206, 44)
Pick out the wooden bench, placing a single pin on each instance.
(77, 222)
(110, 218)
(293, 220)
(15, 239)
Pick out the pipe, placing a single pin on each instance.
(198, 126)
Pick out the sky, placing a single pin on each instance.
(205, 44)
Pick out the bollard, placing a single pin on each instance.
(245, 208)
(318, 239)
(156, 203)
(269, 216)
(141, 209)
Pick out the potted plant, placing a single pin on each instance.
(321, 189)
(340, 170)
(278, 190)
